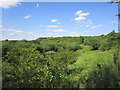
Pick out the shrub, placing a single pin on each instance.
(75, 47)
(81, 39)
(105, 46)
(92, 42)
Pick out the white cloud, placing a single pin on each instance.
(13, 30)
(1, 26)
(92, 27)
(53, 26)
(27, 17)
(78, 12)
(1, 37)
(41, 25)
(85, 22)
(87, 25)
(17, 31)
(59, 30)
(81, 16)
(84, 14)
(49, 29)
(88, 22)
(114, 22)
(37, 5)
(15, 34)
(11, 34)
(48, 34)
(54, 20)
(29, 32)
(96, 26)
(58, 22)
(73, 32)
(9, 3)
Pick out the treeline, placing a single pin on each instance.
(44, 62)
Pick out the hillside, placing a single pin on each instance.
(62, 62)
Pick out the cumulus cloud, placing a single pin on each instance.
(9, 3)
(53, 26)
(27, 17)
(59, 30)
(80, 16)
(54, 20)
(78, 12)
(83, 14)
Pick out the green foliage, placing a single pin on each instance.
(63, 62)
(113, 33)
(113, 38)
(107, 74)
(81, 39)
(6, 47)
(105, 46)
(92, 42)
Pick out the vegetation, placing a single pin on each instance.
(62, 62)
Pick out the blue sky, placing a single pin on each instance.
(31, 20)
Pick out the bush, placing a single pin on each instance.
(75, 47)
(92, 42)
(105, 46)
(81, 39)
(6, 47)
(39, 48)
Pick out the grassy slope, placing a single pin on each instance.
(87, 62)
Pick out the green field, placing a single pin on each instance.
(62, 62)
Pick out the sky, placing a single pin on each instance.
(32, 20)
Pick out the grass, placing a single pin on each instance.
(87, 62)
